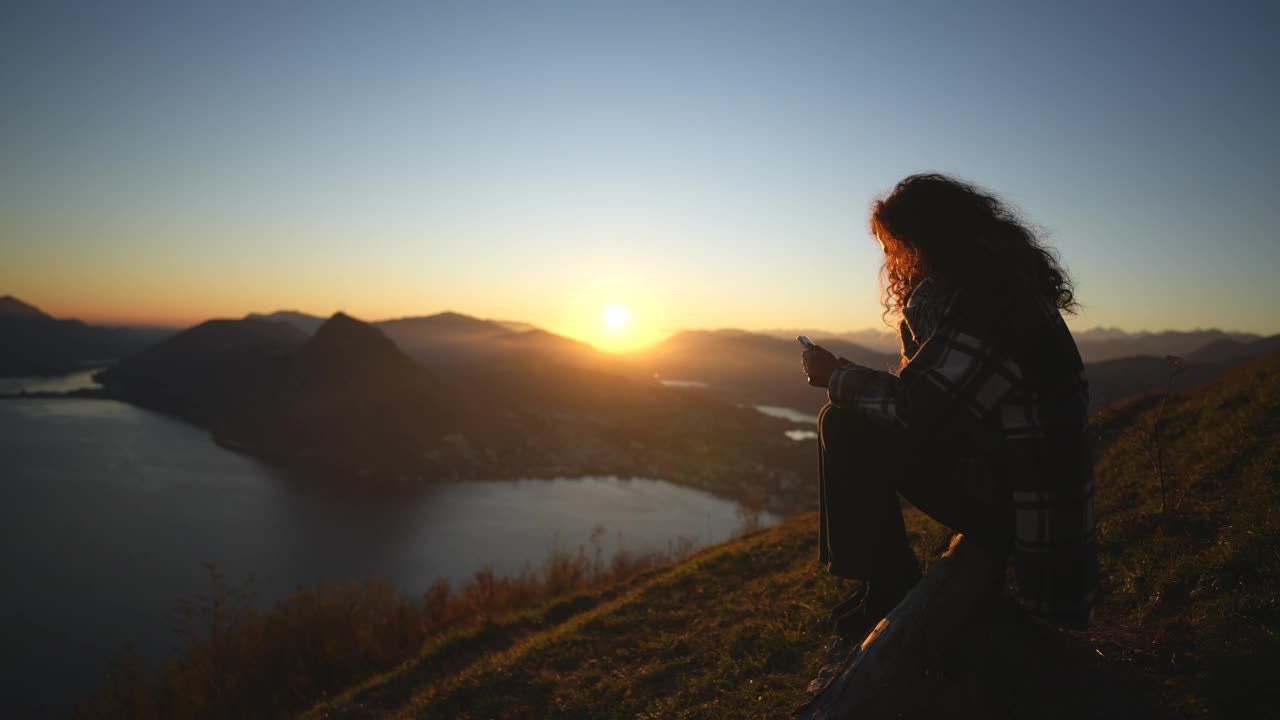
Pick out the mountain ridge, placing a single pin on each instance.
(1096, 344)
(35, 343)
(12, 308)
(753, 368)
(449, 339)
(349, 405)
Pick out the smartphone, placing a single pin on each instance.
(805, 341)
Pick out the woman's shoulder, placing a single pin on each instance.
(995, 313)
(925, 308)
(999, 315)
(929, 292)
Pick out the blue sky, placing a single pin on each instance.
(705, 164)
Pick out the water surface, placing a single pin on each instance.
(786, 413)
(683, 383)
(108, 511)
(54, 384)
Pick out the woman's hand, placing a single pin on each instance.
(818, 365)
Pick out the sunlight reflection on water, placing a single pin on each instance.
(795, 416)
(682, 383)
(786, 413)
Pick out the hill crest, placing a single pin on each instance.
(1182, 631)
(11, 308)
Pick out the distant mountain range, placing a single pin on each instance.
(758, 368)
(302, 321)
(749, 368)
(33, 343)
(1095, 344)
(737, 366)
(348, 402)
(344, 400)
(448, 339)
(206, 373)
(1099, 344)
(1115, 379)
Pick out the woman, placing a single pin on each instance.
(984, 426)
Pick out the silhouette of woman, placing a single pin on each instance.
(984, 425)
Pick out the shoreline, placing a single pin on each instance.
(405, 482)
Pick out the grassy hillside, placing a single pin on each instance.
(1189, 623)
(734, 631)
(1194, 592)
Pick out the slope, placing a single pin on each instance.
(1102, 344)
(1188, 625)
(34, 343)
(449, 340)
(347, 402)
(203, 372)
(1196, 589)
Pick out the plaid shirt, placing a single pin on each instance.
(1002, 382)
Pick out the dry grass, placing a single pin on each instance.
(321, 640)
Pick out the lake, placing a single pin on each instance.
(54, 383)
(796, 416)
(786, 413)
(108, 512)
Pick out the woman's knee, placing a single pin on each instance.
(849, 429)
(835, 425)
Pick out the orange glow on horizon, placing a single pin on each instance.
(133, 317)
(614, 331)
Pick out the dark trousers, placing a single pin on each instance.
(862, 469)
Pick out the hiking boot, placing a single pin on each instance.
(853, 624)
(857, 620)
(834, 655)
(854, 599)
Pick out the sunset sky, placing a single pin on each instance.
(697, 164)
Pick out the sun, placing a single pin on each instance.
(616, 318)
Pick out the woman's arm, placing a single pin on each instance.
(956, 376)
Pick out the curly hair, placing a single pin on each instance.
(933, 225)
